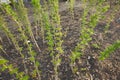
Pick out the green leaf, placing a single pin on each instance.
(109, 50)
(32, 58)
(19, 75)
(73, 57)
(3, 61)
(57, 62)
(33, 53)
(15, 70)
(4, 68)
(37, 63)
(25, 77)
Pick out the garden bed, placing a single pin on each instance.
(89, 65)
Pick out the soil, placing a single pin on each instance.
(89, 66)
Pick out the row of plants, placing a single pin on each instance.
(47, 27)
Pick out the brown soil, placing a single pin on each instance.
(89, 67)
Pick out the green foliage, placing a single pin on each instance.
(56, 35)
(96, 45)
(12, 70)
(3, 61)
(109, 50)
(71, 7)
(91, 15)
(48, 27)
(25, 78)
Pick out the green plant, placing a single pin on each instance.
(57, 35)
(28, 31)
(23, 34)
(23, 16)
(48, 28)
(90, 19)
(95, 45)
(11, 36)
(38, 19)
(104, 54)
(12, 70)
(71, 7)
